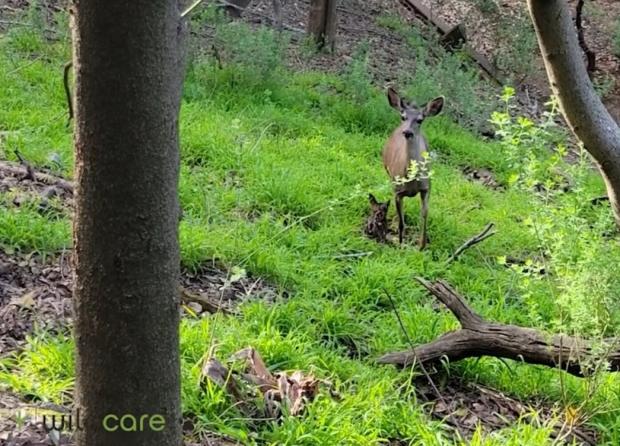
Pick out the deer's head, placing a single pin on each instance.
(412, 115)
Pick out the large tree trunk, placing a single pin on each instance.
(128, 62)
(581, 106)
(323, 22)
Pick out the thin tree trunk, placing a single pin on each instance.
(579, 102)
(277, 14)
(322, 23)
(128, 62)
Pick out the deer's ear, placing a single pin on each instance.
(394, 99)
(373, 200)
(434, 107)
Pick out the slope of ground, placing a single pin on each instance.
(276, 168)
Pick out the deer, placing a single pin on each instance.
(376, 225)
(405, 147)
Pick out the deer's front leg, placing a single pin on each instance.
(424, 196)
(401, 217)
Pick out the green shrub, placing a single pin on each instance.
(533, 152)
(517, 45)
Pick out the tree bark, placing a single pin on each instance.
(590, 55)
(129, 62)
(580, 105)
(235, 8)
(323, 23)
(478, 337)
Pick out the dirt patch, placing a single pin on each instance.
(34, 292)
(226, 289)
(482, 176)
(465, 406)
(357, 25)
(21, 424)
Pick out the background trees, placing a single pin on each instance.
(322, 22)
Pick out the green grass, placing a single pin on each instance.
(275, 174)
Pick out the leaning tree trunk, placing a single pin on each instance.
(128, 63)
(322, 23)
(580, 105)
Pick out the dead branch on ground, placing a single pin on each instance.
(27, 172)
(478, 337)
(485, 234)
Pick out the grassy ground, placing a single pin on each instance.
(275, 172)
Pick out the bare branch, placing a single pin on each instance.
(481, 338)
(485, 234)
(66, 70)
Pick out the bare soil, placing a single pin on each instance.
(34, 292)
(21, 424)
(465, 406)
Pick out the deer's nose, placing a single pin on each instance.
(408, 134)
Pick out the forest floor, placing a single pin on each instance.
(279, 152)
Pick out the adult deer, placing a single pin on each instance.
(406, 147)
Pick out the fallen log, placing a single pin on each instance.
(478, 337)
(24, 172)
(453, 37)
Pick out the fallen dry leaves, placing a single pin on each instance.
(257, 391)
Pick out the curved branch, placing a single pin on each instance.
(481, 338)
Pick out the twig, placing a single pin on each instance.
(419, 363)
(29, 170)
(65, 80)
(206, 303)
(277, 14)
(26, 65)
(590, 55)
(191, 8)
(485, 234)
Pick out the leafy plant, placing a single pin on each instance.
(256, 53)
(535, 153)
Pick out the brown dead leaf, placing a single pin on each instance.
(256, 365)
(26, 300)
(220, 375)
(282, 393)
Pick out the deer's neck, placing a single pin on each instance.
(416, 148)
